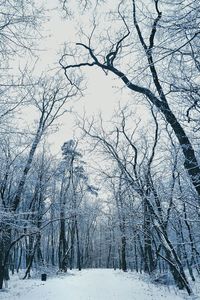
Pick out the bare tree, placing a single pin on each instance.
(111, 60)
(136, 175)
(50, 100)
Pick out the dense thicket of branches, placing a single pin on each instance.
(142, 213)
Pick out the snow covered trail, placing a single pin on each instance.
(92, 284)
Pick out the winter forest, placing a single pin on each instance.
(99, 149)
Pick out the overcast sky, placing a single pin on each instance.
(103, 92)
(100, 95)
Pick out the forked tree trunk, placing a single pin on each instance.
(173, 261)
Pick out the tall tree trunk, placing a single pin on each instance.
(5, 241)
(62, 245)
(78, 247)
(72, 238)
(149, 264)
(123, 254)
(19, 259)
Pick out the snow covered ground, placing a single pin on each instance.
(92, 284)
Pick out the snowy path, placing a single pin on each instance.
(98, 284)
